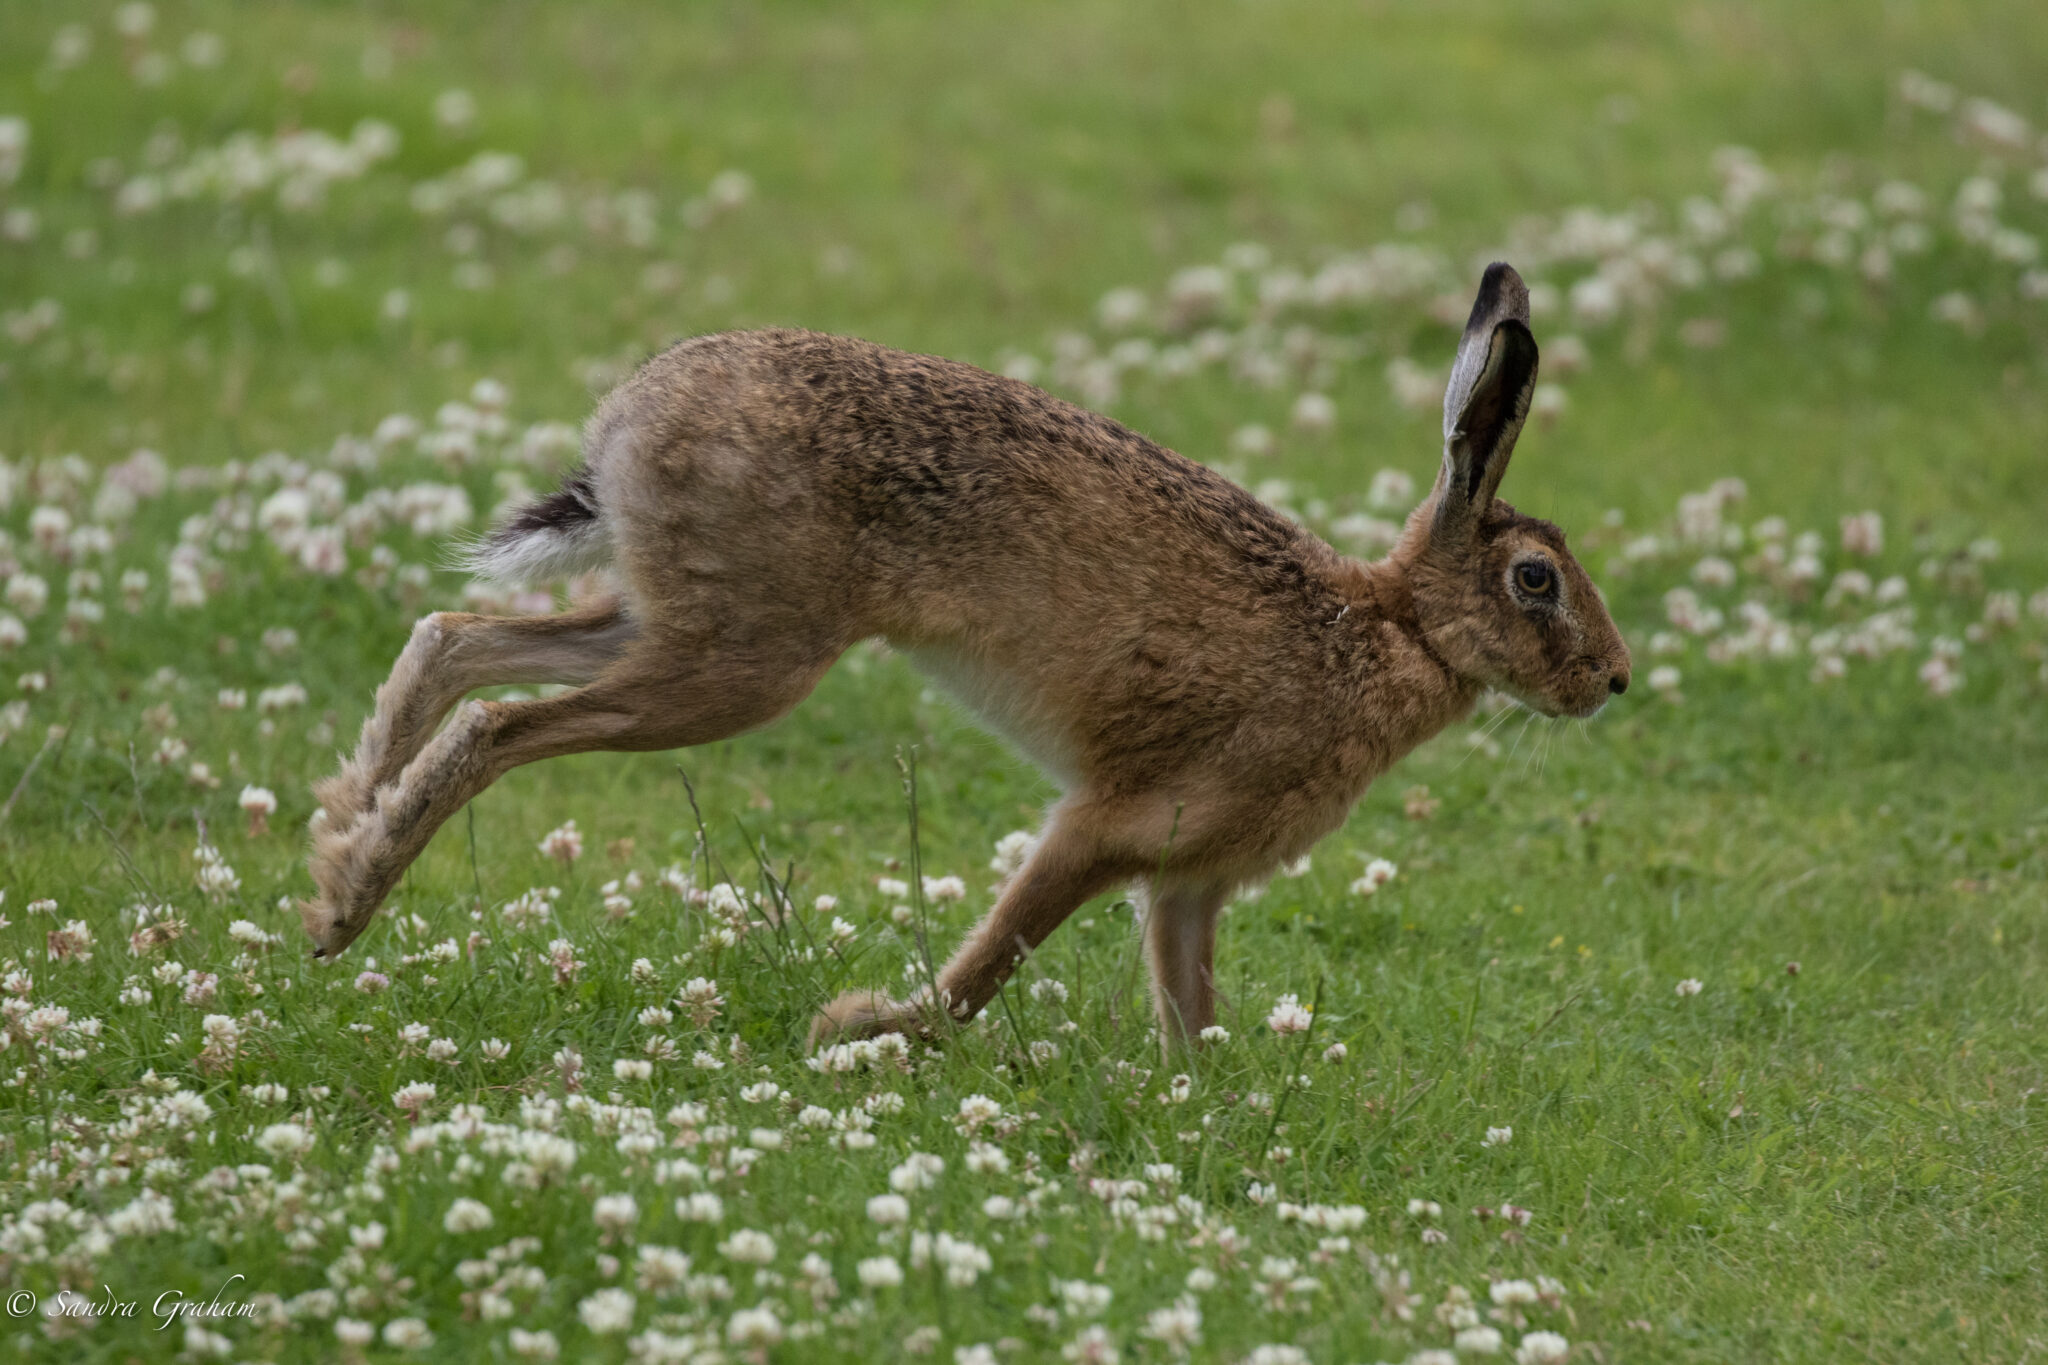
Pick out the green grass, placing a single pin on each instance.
(1846, 1161)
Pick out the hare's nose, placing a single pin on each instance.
(1617, 683)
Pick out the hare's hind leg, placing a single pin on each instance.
(662, 695)
(1071, 864)
(451, 654)
(1180, 939)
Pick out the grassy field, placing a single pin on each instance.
(1714, 1029)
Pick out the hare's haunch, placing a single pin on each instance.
(1210, 685)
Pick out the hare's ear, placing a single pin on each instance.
(1486, 400)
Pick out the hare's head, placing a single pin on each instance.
(1499, 596)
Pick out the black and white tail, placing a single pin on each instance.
(559, 536)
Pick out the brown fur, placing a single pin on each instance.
(1212, 686)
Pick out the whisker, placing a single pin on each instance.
(1485, 731)
(1539, 755)
(1520, 735)
(1499, 718)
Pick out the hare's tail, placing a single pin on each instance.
(558, 536)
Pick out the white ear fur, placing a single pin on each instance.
(1486, 400)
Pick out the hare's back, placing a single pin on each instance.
(946, 498)
(945, 467)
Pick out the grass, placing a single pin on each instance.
(1842, 1161)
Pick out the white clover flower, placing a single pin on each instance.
(467, 1215)
(1498, 1137)
(146, 1215)
(1314, 412)
(414, 1097)
(539, 1345)
(1215, 1034)
(407, 1334)
(1011, 851)
(701, 1207)
(880, 1272)
(73, 942)
(216, 879)
(1093, 1346)
(1049, 992)
(661, 1270)
(1377, 874)
(1541, 1348)
(615, 1212)
(1692, 985)
(285, 1141)
(259, 803)
(1178, 1326)
(700, 1000)
(607, 1312)
(758, 1327)
(1289, 1015)
(918, 1171)
(455, 110)
(564, 843)
(1122, 309)
(1274, 1354)
(961, 1262)
(1391, 490)
(748, 1246)
(889, 1209)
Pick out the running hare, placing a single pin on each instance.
(1210, 685)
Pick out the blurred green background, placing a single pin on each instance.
(976, 176)
(976, 180)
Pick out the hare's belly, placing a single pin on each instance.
(1002, 702)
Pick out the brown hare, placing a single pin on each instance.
(1211, 686)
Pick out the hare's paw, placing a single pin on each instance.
(343, 797)
(347, 874)
(867, 1014)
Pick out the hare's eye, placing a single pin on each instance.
(1534, 577)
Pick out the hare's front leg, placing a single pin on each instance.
(451, 654)
(1071, 863)
(1180, 938)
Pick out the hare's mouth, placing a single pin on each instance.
(1551, 708)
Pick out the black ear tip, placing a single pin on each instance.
(1501, 294)
(319, 952)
